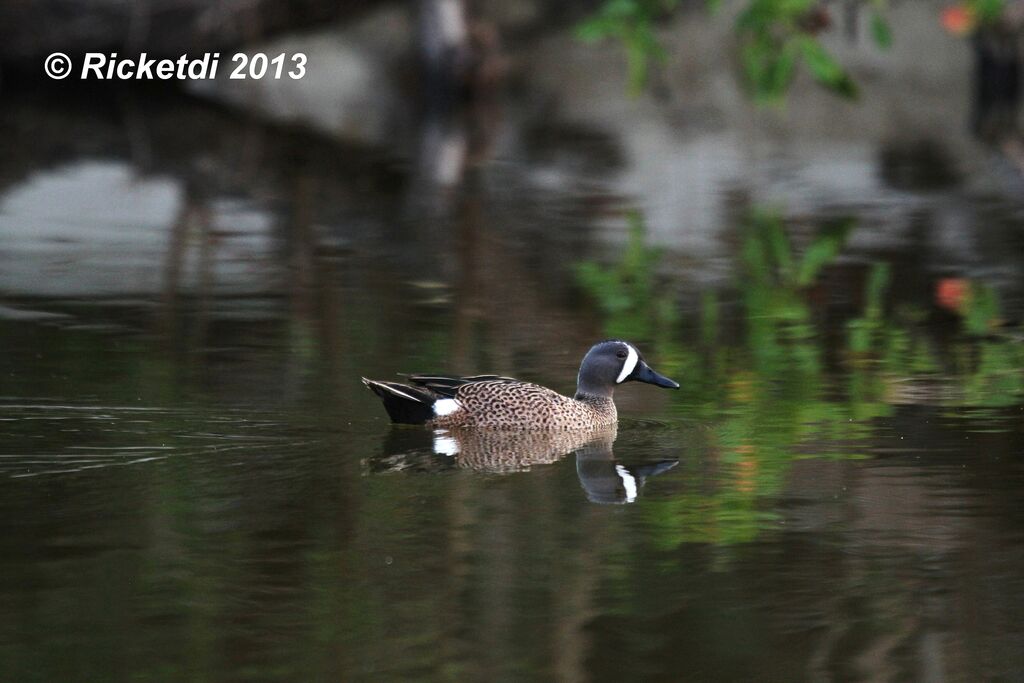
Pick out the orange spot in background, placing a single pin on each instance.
(952, 293)
(958, 20)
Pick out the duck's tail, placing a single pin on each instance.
(405, 404)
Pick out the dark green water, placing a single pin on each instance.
(242, 515)
(194, 484)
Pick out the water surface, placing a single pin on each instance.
(195, 485)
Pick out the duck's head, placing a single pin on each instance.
(612, 362)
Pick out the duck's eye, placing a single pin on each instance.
(621, 354)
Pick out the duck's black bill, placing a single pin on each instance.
(645, 374)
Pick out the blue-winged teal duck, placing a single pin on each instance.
(504, 403)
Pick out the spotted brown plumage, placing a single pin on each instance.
(504, 405)
(494, 402)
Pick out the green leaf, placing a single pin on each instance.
(825, 69)
(988, 11)
(859, 336)
(780, 74)
(821, 252)
(622, 9)
(880, 31)
(636, 63)
(594, 29)
(757, 17)
(822, 65)
(613, 19)
(983, 309)
(779, 247)
(768, 69)
(877, 284)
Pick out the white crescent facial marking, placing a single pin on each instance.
(628, 482)
(629, 365)
(446, 406)
(445, 445)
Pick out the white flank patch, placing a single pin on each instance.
(445, 445)
(446, 406)
(628, 482)
(629, 365)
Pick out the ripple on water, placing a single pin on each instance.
(43, 438)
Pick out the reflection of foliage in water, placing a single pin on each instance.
(768, 394)
(889, 358)
(634, 302)
(628, 292)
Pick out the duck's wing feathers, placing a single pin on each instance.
(405, 404)
(444, 385)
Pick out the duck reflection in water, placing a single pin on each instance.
(606, 480)
(603, 478)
